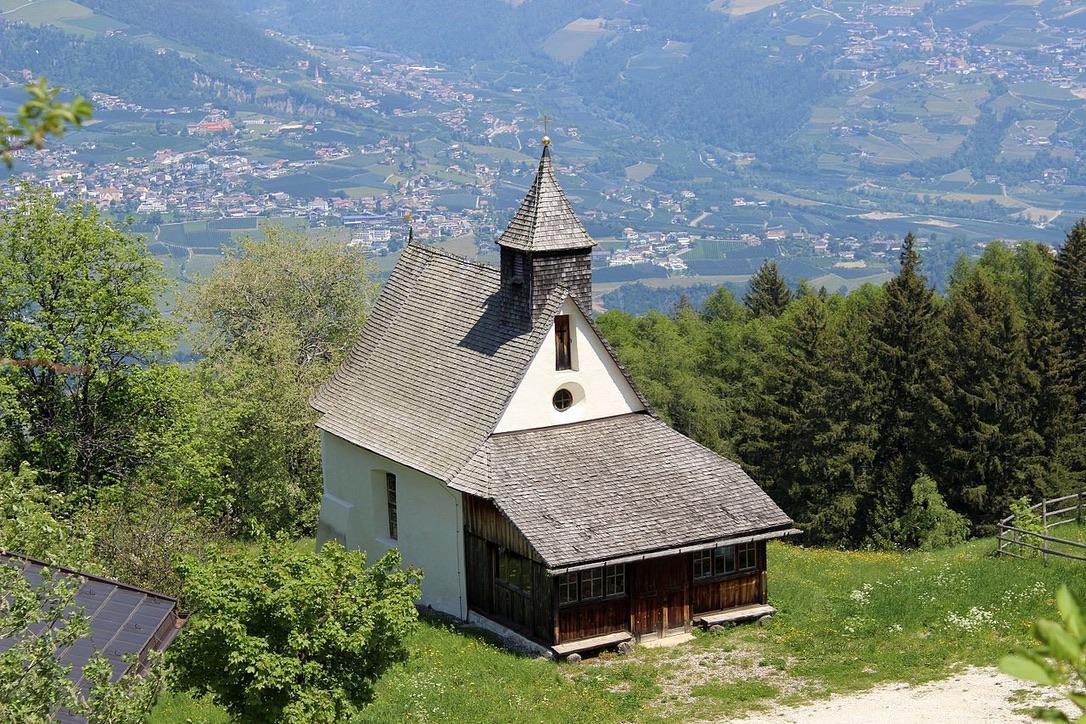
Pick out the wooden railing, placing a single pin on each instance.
(1017, 542)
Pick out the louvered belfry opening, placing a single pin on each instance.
(545, 246)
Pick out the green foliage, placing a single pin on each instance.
(769, 295)
(40, 622)
(810, 463)
(291, 636)
(929, 523)
(79, 319)
(1028, 519)
(909, 389)
(273, 321)
(43, 115)
(33, 521)
(837, 405)
(1059, 655)
(992, 454)
(1069, 299)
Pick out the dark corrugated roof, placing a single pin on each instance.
(545, 221)
(124, 620)
(434, 367)
(620, 486)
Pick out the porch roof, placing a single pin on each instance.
(621, 486)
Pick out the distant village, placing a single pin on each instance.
(237, 157)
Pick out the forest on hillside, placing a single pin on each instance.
(862, 414)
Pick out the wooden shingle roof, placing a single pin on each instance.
(545, 221)
(619, 486)
(434, 366)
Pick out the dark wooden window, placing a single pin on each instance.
(515, 571)
(563, 352)
(703, 564)
(615, 580)
(724, 560)
(567, 588)
(390, 493)
(747, 555)
(592, 583)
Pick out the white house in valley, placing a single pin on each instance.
(482, 425)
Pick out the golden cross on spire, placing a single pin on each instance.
(546, 126)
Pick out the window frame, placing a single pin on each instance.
(699, 559)
(563, 343)
(742, 550)
(567, 581)
(392, 504)
(615, 575)
(567, 395)
(593, 577)
(519, 566)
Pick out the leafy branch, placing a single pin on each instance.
(42, 115)
(1060, 655)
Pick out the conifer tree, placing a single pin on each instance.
(991, 454)
(1070, 304)
(796, 444)
(768, 295)
(908, 393)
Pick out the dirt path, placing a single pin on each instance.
(972, 697)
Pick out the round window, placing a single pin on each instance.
(563, 400)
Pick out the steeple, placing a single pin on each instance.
(545, 221)
(544, 246)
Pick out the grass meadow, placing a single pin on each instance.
(846, 621)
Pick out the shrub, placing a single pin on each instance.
(1026, 518)
(293, 636)
(930, 523)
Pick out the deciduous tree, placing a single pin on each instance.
(272, 322)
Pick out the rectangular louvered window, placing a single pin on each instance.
(563, 352)
(390, 492)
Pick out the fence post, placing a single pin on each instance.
(1078, 511)
(1044, 525)
(999, 540)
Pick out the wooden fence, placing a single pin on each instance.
(1017, 542)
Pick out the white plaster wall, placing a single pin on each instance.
(599, 388)
(429, 516)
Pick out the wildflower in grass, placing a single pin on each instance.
(974, 619)
(861, 595)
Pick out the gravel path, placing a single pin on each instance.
(976, 695)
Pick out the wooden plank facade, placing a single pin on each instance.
(508, 582)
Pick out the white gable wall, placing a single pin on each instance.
(599, 388)
(354, 511)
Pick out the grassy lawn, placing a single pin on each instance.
(846, 621)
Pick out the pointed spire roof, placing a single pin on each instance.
(545, 221)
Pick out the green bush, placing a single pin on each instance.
(292, 636)
(931, 524)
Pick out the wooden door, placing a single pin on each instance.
(659, 596)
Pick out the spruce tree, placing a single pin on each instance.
(991, 453)
(1070, 304)
(908, 393)
(798, 444)
(768, 295)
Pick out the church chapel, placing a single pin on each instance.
(482, 425)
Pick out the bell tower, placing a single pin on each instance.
(545, 246)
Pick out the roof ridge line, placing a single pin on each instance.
(437, 251)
